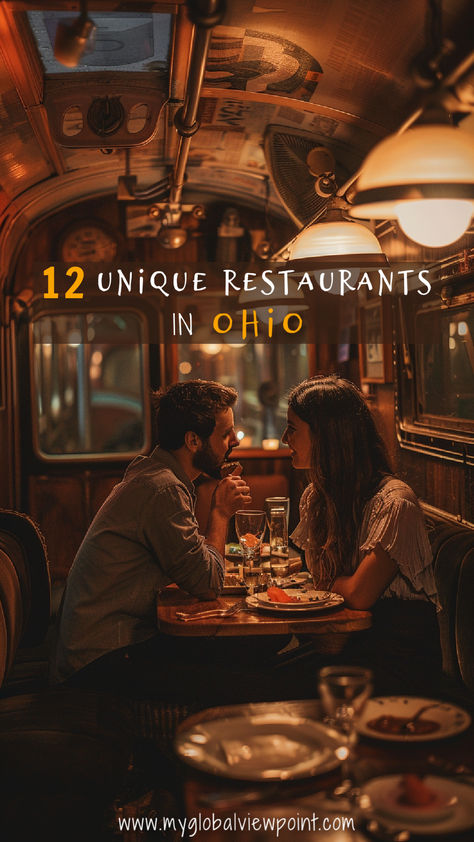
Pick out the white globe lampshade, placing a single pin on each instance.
(425, 179)
(331, 239)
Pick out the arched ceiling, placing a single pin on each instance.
(338, 70)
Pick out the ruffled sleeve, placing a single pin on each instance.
(301, 535)
(394, 519)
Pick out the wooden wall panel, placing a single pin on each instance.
(59, 506)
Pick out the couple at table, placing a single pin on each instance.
(361, 529)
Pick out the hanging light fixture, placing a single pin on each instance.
(336, 241)
(73, 39)
(425, 179)
(424, 176)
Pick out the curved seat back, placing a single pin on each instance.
(464, 630)
(453, 560)
(3, 646)
(22, 542)
(12, 605)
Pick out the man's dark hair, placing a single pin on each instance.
(190, 406)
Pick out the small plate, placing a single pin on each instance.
(265, 747)
(305, 596)
(451, 718)
(458, 817)
(294, 581)
(293, 607)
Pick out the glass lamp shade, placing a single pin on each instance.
(425, 179)
(335, 243)
(328, 239)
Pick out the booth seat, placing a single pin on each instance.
(453, 555)
(64, 755)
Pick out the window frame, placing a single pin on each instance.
(93, 457)
(440, 436)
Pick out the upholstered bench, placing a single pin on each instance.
(453, 555)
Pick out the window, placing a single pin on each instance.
(435, 412)
(445, 386)
(262, 375)
(89, 386)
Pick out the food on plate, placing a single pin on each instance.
(415, 793)
(229, 468)
(386, 724)
(412, 798)
(279, 595)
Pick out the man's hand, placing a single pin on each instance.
(230, 495)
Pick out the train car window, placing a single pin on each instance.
(263, 374)
(446, 368)
(435, 406)
(89, 385)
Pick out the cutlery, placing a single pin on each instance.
(212, 612)
(407, 727)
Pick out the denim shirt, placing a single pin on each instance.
(144, 537)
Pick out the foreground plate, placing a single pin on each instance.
(266, 747)
(459, 817)
(305, 596)
(293, 607)
(451, 718)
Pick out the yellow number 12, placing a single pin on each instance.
(77, 271)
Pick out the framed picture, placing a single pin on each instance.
(375, 341)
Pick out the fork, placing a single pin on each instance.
(185, 616)
(408, 725)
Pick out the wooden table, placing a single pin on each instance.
(340, 621)
(208, 795)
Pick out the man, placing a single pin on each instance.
(144, 537)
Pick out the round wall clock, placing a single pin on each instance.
(89, 241)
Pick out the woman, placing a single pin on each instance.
(363, 532)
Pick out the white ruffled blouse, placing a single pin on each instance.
(394, 519)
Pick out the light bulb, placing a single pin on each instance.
(434, 222)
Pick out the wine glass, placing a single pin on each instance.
(250, 526)
(344, 691)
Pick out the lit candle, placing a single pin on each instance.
(270, 444)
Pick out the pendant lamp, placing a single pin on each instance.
(424, 178)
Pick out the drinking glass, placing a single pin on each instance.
(250, 526)
(344, 691)
(277, 510)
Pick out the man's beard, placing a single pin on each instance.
(206, 461)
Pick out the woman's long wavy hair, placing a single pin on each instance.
(348, 461)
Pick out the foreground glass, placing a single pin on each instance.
(344, 692)
(249, 527)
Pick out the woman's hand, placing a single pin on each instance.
(372, 577)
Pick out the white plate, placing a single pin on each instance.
(451, 718)
(459, 817)
(305, 597)
(295, 580)
(293, 607)
(265, 747)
